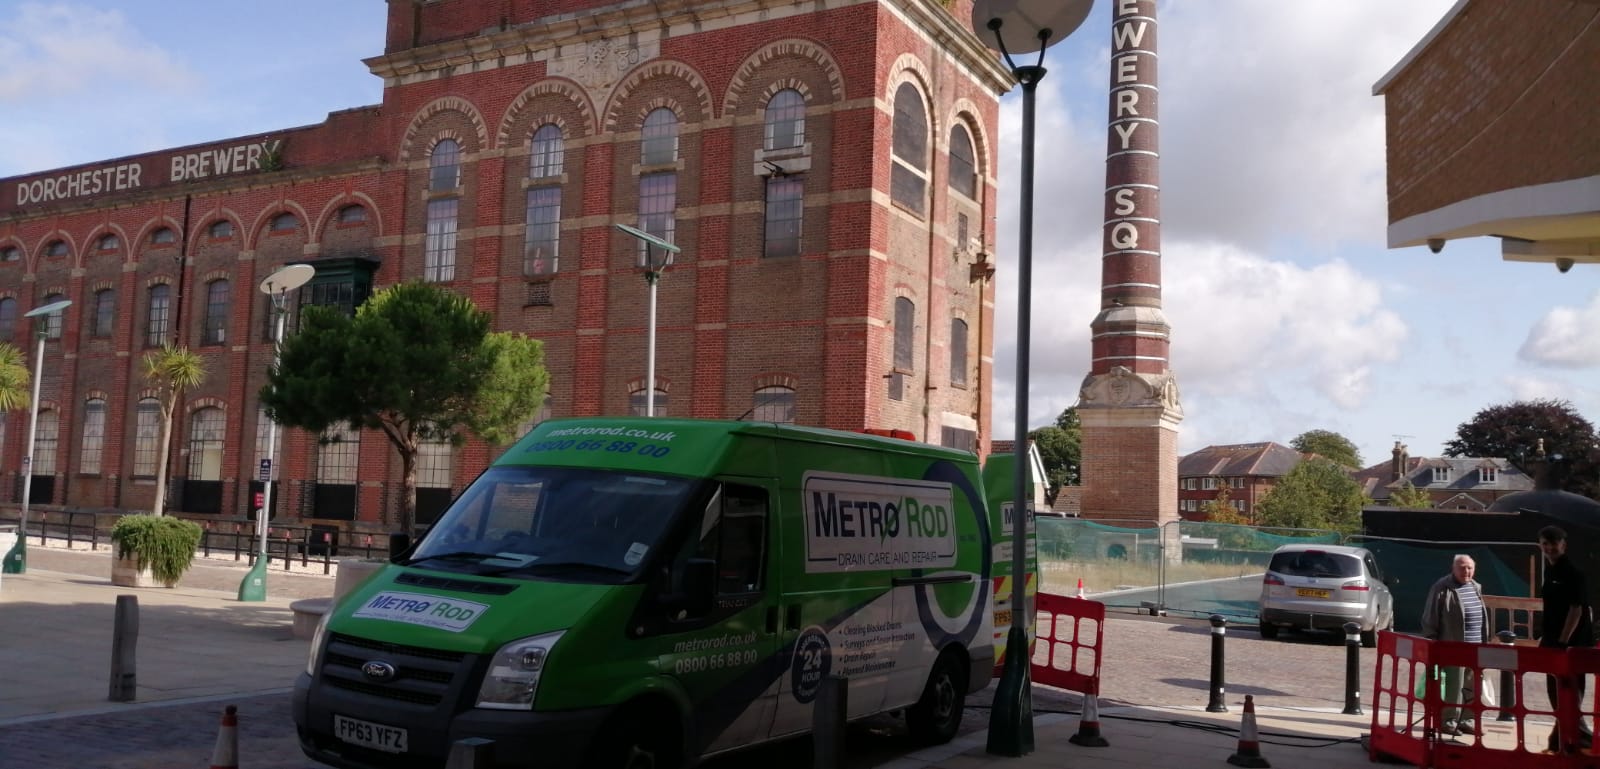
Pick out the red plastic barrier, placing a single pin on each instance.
(1068, 643)
(1398, 717)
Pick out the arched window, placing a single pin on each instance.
(786, 120)
(636, 402)
(93, 437)
(905, 334)
(163, 236)
(547, 153)
(56, 248)
(774, 404)
(107, 242)
(220, 230)
(103, 321)
(658, 144)
(908, 179)
(208, 429)
(444, 166)
(284, 222)
(963, 166)
(10, 254)
(146, 434)
(352, 214)
(958, 352)
(215, 330)
(52, 322)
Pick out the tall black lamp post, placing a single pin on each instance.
(1022, 26)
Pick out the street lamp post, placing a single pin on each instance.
(652, 275)
(17, 560)
(276, 286)
(1022, 26)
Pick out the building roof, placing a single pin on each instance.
(1258, 459)
(1465, 474)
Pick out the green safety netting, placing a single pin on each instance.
(1504, 568)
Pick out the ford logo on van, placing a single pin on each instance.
(378, 670)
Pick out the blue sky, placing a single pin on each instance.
(1288, 313)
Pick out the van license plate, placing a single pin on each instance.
(1310, 592)
(1002, 618)
(389, 739)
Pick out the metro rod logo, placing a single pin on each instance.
(868, 523)
(417, 609)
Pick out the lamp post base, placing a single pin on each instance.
(16, 560)
(254, 585)
(1011, 719)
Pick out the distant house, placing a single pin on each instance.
(1452, 483)
(1247, 470)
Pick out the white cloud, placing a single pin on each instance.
(1566, 337)
(57, 52)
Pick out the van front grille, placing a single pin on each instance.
(428, 677)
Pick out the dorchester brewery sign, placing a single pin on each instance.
(201, 164)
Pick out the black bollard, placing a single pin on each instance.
(124, 643)
(470, 753)
(1352, 669)
(1508, 691)
(828, 722)
(1218, 629)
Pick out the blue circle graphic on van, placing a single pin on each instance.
(813, 660)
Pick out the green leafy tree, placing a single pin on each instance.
(1317, 494)
(1221, 510)
(1328, 444)
(15, 382)
(417, 363)
(1410, 496)
(1061, 449)
(170, 371)
(1512, 431)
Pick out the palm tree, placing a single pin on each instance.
(170, 370)
(14, 379)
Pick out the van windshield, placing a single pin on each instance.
(570, 524)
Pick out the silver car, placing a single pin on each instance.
(1323, 587)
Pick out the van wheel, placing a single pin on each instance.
(935, 719)
(638, 737)
(1269, 631)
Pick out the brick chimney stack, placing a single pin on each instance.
(1398, 466)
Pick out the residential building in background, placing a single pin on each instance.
(827, 169)
(1451, 483)
(1247, 470)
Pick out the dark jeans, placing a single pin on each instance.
(1585, 736)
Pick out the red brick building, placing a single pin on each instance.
(1247, 470)
(828, 171)
(1493, 131)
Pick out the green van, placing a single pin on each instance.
(635, 592)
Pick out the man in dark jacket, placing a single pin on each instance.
(1454, 612)
(1568, 619)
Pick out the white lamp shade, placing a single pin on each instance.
(1021, 20)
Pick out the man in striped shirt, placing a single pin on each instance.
(1454, 612)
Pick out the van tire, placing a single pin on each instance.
(936, 717)
(1269, 631)
(640, 736)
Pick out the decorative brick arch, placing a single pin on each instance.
(966, 113)
(96, 395)
(637, 383)
(206, 402)
(213, 216)
(658, 68)
(281, 207)
(805, 49)
(50, 237)
(148, 229)
(408, 145)
(334, 206)
(557, 86)
(909, 68)
(101, 231)
(774, 379)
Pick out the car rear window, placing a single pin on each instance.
(1315, 563)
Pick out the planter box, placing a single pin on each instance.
(125, 571)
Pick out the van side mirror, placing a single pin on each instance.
(699, 585)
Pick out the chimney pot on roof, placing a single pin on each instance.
(1398, 467)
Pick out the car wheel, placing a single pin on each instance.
(1269, 631)
(639, 738)
(936, 718)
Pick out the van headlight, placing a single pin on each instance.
(513, 677)
(314, 654)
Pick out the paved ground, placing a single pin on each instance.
(199, 649)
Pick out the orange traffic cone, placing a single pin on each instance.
(1249, 751)
(1089, 726)
(226, 754)
(1080, 587)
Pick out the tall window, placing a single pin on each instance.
(52, 322)
(963, 168)
(338, 456)
(658, 142)
(207, 431)
(774, 404)
(905, 334)
(542, 241)
(439, 252)
(444, 166)
(105, 303)
(547, 153)
(263, 430)
(958, 352)
(216, 320)
(636, 402)
(8, 319)
(433, 464)
(94, 436)
(145, 438)
(45, 442)
(785, 209)
(155, 330)
(658, 205)
(786, 120)
(908, 179)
